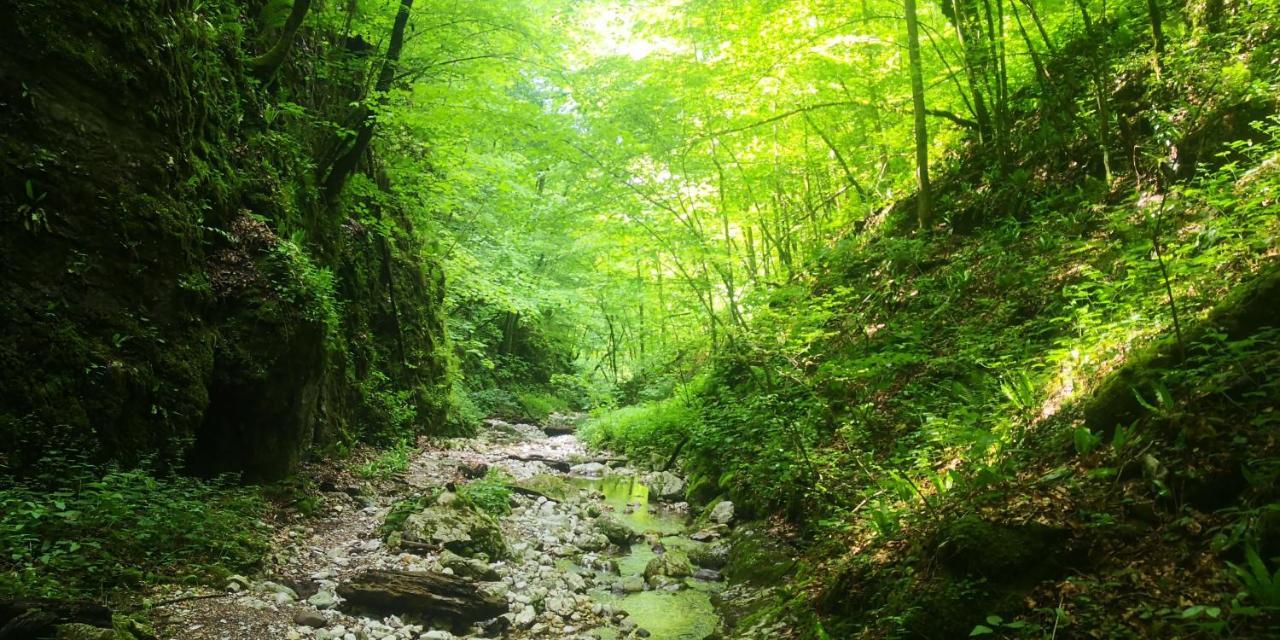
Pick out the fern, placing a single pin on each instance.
(1261, 585)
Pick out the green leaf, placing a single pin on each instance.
(981, 630)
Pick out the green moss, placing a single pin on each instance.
(756, 559)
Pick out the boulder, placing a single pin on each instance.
(1000, 552)
(457, 527)
(325, 598)
(468, 567)
(615, 530)
(710, 556)
(665, 485)
(671, 564)
(722, 513)
(310, 619)
(78, 631)
(589, 470)
(428, 594)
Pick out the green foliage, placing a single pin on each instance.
(390, 411)
(1085, 441)
(123, 529)
(1261, 585)
(538, 405)
(491, 494)
(310, 287)
(402, 509)
(389, 464)
(649, 431)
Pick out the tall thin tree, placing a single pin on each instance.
(924, 197)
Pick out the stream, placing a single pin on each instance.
(590, 551)
(684, 614)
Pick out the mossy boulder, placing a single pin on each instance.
(942, 609)
(673, 563)
(549, 486)
(615, 530)
(1000, 553)
(87, 632)
(457, 527)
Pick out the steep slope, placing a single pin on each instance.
(1056, 411)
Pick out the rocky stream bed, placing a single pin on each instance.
(592, 549)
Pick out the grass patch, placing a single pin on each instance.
(650, 430)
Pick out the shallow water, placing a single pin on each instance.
(681, 615)
(629, 498)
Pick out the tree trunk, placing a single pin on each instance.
(924, 204)
(1157, 34)
(264, 66)
(346, 163)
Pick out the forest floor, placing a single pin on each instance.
(562, 579)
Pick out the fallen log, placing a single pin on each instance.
(564, 465)
(435, 595)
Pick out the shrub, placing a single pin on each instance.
(649, 430)
(126, 528)
(389, 464)
(538, 405)
(491, 494)
(390, 413)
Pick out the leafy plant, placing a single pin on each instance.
(390, 463)
(1085, 440)
(1262, 585)
(491, 494)
(123, 529)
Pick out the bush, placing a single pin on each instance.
(390, 414)
(124, 529)
(496, 403)
(538, 405)
(491, 494)
(389, 464)
(651, 430)
(531, 404)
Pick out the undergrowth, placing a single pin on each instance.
(491, 494)
(95, 534)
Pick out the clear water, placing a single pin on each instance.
(628, 496)
(681, 615)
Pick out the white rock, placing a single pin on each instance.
(722, 513)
